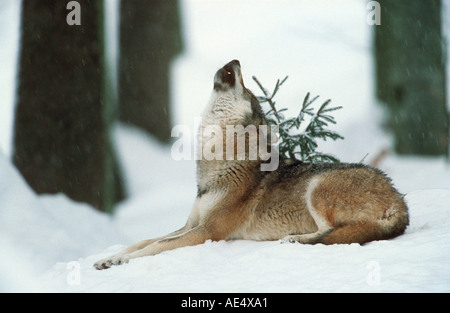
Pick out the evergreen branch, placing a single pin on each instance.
(269, 98)
(264, 90)
(301, 145)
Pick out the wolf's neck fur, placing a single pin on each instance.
(223, 109)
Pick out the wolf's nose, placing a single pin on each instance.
(233, 63)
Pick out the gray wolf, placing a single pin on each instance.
(320, 203)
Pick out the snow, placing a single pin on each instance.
(49, 243)
(66, 238)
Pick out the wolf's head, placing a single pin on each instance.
(231, 102)
(233, 112)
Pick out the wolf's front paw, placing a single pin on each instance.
(114, 260)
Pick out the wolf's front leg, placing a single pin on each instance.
(191, 237)
(124, 255)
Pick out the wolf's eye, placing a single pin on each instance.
(229, 73)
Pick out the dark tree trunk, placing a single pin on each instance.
(149, 39)
(62, 121)
(410, 75)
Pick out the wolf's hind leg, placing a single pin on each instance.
(310, 238)
(361, 233)
(323, 224)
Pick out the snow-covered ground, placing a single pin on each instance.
(49, 243)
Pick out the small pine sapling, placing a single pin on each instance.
(296, 141)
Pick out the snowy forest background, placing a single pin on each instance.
(62, 209)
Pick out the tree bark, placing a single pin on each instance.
(149, 39)
(410, 75)
(62, 120)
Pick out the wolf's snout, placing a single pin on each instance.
(233, 63)
(226, 76)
